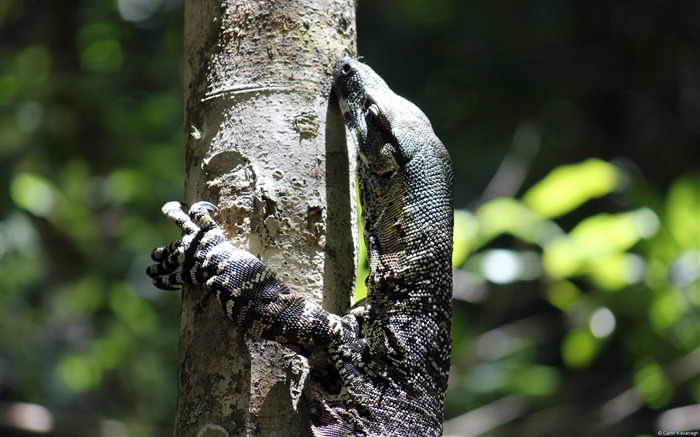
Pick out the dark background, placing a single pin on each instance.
(91, 145)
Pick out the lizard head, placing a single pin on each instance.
(388, 129)
(404, 170)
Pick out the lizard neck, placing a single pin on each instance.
(408, 233)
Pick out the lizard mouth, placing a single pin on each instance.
(347, 86)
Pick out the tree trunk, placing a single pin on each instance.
(267, 147)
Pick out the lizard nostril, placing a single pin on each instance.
(347, 69)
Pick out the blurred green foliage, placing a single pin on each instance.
(573, 128)
(91, 143)
(602, 254)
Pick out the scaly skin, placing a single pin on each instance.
(381, 369)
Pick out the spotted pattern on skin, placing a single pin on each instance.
(381, 369)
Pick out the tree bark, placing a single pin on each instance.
(267, 147)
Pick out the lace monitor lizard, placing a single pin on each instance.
(388, 357)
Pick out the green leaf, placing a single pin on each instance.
(652, 385)
(362, 258)
(683, 212)
(465, 233)
(616, 271)
(666, 309)
(79, 373)
(36, 195)
(598, 237)
(563, 294)
(509, 216)
(537, 380)
(569, 186)
(579, 349)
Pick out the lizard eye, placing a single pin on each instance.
(375, 118)
(373, 115)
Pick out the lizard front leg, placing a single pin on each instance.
(247, 289)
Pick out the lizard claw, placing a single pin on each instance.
(173, 211)
(171, 208)
(200, 215)
(203, 206)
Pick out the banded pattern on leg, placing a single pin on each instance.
(247, 289)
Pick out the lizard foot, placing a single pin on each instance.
(190, 253)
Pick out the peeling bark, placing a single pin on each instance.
(264, 144)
